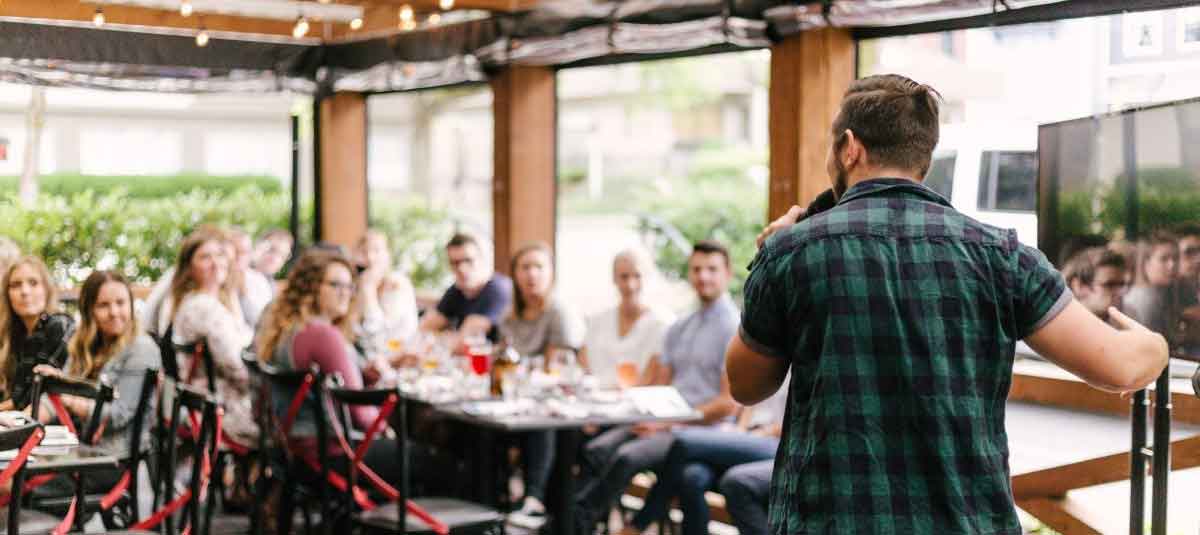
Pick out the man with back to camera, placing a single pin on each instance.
(898, 317)
(473, 305)
(1098, 278)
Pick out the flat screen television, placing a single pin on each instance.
(1127, 184)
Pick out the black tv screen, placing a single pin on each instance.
(1119, 214)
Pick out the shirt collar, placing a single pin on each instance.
(891, 186)
(721, 302)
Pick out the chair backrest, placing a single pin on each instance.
(53, 385)
(22, 438)
(193, 417)
(137, 434)
(166, 349)
(198, 350)
(344, 398)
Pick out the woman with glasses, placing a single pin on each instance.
(312, 323)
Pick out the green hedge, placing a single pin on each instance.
(140, 237)
(142, 187)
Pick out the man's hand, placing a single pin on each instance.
(786, 220)
(47, 370)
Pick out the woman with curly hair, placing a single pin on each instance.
(312, 323)
(203, 307)
(32, 331)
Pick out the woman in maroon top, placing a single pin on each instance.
(311, 323)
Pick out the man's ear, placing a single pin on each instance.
(852, 150)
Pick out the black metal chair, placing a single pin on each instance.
(194, 418)
(289, 394)
(398, 516)
(118, 507)
(23, 439)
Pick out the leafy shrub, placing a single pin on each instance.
(142, 187)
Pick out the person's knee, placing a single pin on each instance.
(697, 476)
(736, 486)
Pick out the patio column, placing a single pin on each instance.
(523, 191)
(341, 186)
(809, 73)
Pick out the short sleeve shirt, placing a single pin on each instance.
(899, 317)
(558, 326)
(493, 299)
(694, 348)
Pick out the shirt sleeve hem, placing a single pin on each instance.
(1064, 299)
(759, 347)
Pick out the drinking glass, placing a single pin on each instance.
(627, 373)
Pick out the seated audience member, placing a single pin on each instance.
(32, 331)
(539, 323)
(9, 253)
(1098, 277)
(474, 304)
(1157, 299)
(108, 344)
(312, 324)
(386, 300)
(255, 289)
(704, 458)
(693, 361)
(272, 251)
(630, 333)
(202, 307)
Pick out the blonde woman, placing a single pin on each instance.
(32, 331)
(108, 346)
(621, 340)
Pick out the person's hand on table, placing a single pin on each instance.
(646, 429)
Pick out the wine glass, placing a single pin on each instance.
(627, 373)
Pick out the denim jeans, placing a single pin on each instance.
(698, 457)
(538, 456)
(617, 455)
(746, 488)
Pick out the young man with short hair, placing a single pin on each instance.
(898, 317)
(1099, 278)
(474, 303)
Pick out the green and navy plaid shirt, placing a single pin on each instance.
(899, 317)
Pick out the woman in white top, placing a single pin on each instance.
(626, 336)
(203, 307)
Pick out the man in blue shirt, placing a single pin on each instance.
(474, 303)
(693, 361)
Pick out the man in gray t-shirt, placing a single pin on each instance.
(693, 361)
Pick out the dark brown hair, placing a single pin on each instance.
(712, 247)
(462, 240)
(518, 299)
(895, 118)
(1083, 266)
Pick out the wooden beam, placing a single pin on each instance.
(343, 160)
(524, 194)
(1072, 393)
(382, 17)
(74, 10)
(1057, 481)
(1064, 515)
(809, 74)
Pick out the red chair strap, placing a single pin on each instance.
(297, 401)
(155, 519)
(22, 455)
(65, 525)
(376, 426)
(60, 411)
(114, 494)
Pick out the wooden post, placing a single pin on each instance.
(342, 178)
(523, 190)
(809, 73)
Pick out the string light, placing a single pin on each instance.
(301, 28)
(202, 38)
(98, 18)
(435, 19)
(446, 5)
(406, 13)
(356, 23)
(408, 25)
(185, 8)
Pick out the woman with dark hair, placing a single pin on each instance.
(32, 331)
(538, 324)
(108, 346)
(312, 323)
(202, 307)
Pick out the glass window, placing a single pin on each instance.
(940, 177)
(1008, 181)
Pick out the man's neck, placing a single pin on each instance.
(705, 303)
(873, 173)
(474, 287)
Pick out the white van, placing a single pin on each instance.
(990, 174)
